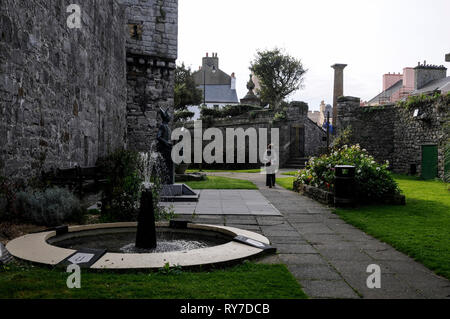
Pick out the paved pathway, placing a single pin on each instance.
(329, 257)
(227, 202)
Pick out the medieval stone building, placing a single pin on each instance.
(320, 117)
(71, 95)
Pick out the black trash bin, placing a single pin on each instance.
(344, 185)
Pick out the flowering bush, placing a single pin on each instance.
(373, 180)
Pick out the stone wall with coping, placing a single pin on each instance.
(391, 132)
(264, 119)
(62, 91)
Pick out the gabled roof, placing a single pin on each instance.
(386, 94)
(434, 85)
(220, 94)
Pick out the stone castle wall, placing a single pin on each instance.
(392, 133)
(151, 44)
(62, 91)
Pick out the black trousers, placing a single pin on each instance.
(270, 180)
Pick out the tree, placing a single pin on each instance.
(186, 93)
(279, 75)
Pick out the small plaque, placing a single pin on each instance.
(255, 243)
(84, 258)
(80, 258)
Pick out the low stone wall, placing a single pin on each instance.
(296, 117)
(393, 133)
(315, 193)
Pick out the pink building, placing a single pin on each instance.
(423, 78)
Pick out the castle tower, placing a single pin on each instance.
(151, 51)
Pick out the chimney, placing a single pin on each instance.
(424, 74)
(338, 87)
(207, 54)
(390, 79)
(233, 81)
(447, 57)
(408, 79)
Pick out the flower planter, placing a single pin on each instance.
(327, 198)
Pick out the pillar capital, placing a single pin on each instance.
(339, 66)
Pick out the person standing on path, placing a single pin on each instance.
(270, 161)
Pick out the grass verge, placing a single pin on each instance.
(286, 182)
(248, 280)
(256, 170)
(294, 173)
(219, 182)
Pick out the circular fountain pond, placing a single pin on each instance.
(194, 245)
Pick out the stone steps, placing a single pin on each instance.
(296, 162)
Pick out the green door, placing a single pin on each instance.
(429, 161)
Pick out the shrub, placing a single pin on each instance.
(3, 206)
(121, 191)
(180, 116)
(279, 116)
(228, 110)
(50, 207)
(373, 180)
(447, 163)
(344, 138)
(8, 191)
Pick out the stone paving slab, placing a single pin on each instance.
(227, 202)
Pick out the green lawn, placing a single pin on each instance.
(294, 173)
(256, 170)
(286, 182)
(420, 229)
(219, 182)
(248, 280)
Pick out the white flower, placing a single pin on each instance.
(378, 168)
(358, 171)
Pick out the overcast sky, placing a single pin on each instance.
(373, 37)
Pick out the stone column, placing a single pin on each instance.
(338, 89)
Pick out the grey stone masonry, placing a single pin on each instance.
(69, 96)
(151, 45)
(150, 85)
(391, 132)
(62, 90)
(311, 135)
(424, 74)
(157, 27)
